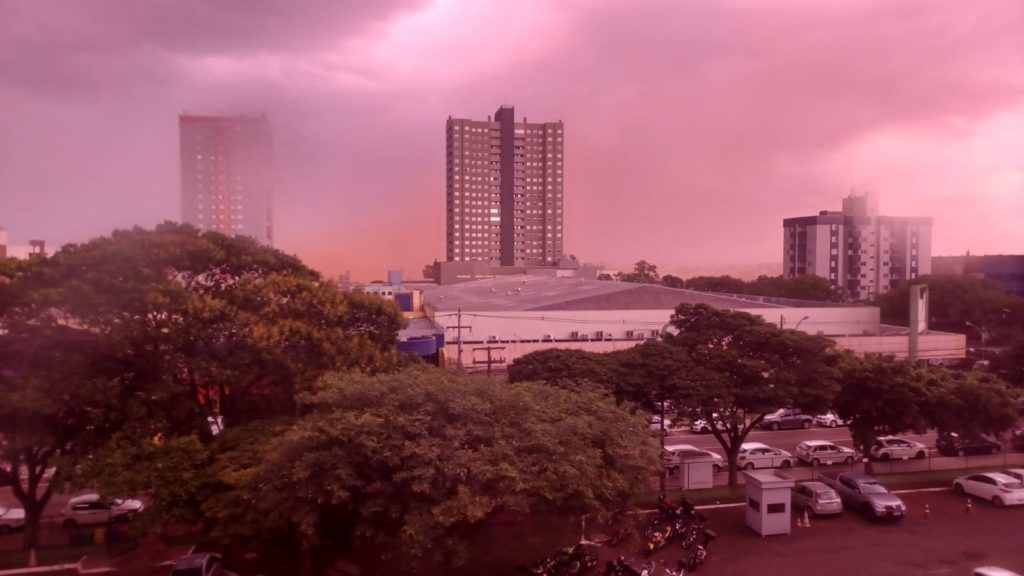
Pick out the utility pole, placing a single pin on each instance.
(458, 334)
(490, 361)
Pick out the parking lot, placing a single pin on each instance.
(949, 542)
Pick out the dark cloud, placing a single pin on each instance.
(693, 128)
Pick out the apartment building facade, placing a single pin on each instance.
(227, 175)
(857, 249)
(504, 190)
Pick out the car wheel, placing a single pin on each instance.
(958, 488)
(775, 426)
(806, 424)
(716, 468)
(920, 455)
(69, 523)
(833, 424)
(849, 460)
(998, 501)
(785, 464)
(815, 462)
(748, 466)
(884, 456)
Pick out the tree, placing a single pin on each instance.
(970, 403)
(953, 301)
(409, 464)
(428, 271)
(803, 287)
(881, 396)
(643, 273)
(1009, 364)
(202, 326)
(673, 281)
(605, 276)
(724, 284)
(56, 391)
(746, 368)
(565, 367)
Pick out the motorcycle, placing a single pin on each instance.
(621, 567)
(679, 571)
(574, 560)
(693, 530)
(701, 552)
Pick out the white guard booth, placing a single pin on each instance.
(690, 476)
(768, 501)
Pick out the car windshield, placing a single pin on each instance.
(872, 488)
(777, 413)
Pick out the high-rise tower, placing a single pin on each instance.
(226, 175)
(504, 190)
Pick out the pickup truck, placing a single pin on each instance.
(864, 493)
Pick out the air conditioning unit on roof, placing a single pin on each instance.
(548, 337)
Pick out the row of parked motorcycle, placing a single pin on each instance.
(673, 522)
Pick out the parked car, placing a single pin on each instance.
(656, 428)
(1017, 439)
(92, 509)
(205, 564)
(952, 444)
(1000, 489)
(677, 455)
(993, 571)
(1017, 473)
(829, 420)
(817, 498)
(11, 519)
(896, 448)
(757, 455)
(864, 493)
(817, 452)
(786, 418)
(701, 425)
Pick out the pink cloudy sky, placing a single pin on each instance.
(692, 128)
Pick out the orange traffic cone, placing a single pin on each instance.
(807, 520)
(799, 522)
(968, 508)
(927, 511)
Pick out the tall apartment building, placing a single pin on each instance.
(227, 174)
(857, 249)
(504, 190)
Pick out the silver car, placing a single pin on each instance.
(92, 509)
(817, 498)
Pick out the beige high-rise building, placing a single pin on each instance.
(857, 249)
(504, 190)
(227, 175)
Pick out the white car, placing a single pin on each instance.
(829, 420)
(655, 425)
(818, 452)
(1017, 473)
(92, 509)
(993, 571)
(702, 426)
(896, 448)
(11, 519)
(757, 455)
(1000, 489)
(678, 455)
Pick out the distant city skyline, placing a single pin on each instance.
(694, 128)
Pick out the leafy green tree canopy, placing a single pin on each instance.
(409, 464)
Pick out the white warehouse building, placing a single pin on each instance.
(506, 317)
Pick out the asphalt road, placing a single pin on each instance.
(949, 542)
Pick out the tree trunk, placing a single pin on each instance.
(33, 520)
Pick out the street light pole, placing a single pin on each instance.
(981, 333)
(801, 322)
